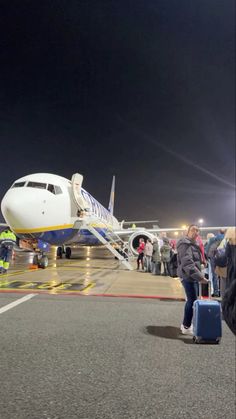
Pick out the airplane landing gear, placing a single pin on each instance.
(41, 261)
(61, 250)
(68, 252)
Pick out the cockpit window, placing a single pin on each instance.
(54, 189)
(36, 185)
(18, 185)
(57, 190)
(51, 188)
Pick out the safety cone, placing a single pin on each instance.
(32, 266)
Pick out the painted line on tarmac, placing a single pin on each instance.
(12, 274)
(5, 276)
(83, 293)
(16, 303)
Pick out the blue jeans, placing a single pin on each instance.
(148, 263)
(214, 278)
(191, 291)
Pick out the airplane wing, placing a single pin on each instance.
(131, 236)
(128, 231)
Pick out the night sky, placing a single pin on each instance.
(141, 89)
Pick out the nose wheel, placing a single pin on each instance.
(41, 261)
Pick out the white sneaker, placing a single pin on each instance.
(186, 331)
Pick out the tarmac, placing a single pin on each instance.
(90, 271)
(70, 350)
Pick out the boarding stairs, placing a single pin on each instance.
(111, 240)
(123, 246)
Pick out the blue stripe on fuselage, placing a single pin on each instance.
(69, 235)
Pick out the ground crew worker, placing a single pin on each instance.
(7, 241)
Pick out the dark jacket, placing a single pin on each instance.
(189, 260)
(165, 252)
(230, 253)
(213, 243)
(229, 306)
(156, 257)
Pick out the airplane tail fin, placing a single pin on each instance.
(112, 196)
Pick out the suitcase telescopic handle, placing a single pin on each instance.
(200, 289)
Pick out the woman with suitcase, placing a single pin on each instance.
(189, 270)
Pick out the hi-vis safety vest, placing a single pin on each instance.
(7, 238)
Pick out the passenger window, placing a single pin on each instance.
(18, 185)
(51, 188)
(36, 185)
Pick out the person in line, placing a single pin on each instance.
(165, 256)
(140, 251)
(229, 306)
(208, 266)
(210, 251)
(148, 255)
(227, 274)
(230, 253)
(173, 244)
(7, 241)
(189, 271)
(202, 249)
(221, 266)
(156, 258)
(173, 259)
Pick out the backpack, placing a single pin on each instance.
(220, 258)
(212, 248)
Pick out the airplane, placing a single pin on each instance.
(51, 209)
(55, 210)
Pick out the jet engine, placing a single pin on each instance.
(134, 239)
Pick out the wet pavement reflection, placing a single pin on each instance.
(90, 271)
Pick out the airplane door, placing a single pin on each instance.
(77, 181)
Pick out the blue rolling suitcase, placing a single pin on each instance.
(207, 323)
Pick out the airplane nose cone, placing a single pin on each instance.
(19, 209)
(10, 207)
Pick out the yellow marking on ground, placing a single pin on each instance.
(12, 274)
(76, 268)
(63, 286)
(54, 290)
(46, 285)
(25, 286)
(4, 283)
(88, 287)
(25, 271)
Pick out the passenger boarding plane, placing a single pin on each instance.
(60, 212)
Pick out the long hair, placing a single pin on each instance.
(230, 235)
